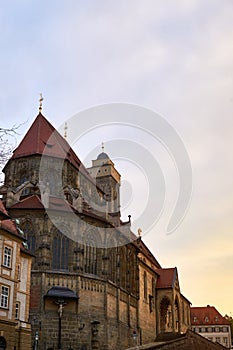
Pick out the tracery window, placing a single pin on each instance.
(60, 249)
(90, 253)
(30, 236)
(123, 267)
(24, 177)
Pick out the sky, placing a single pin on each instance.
(173, 57)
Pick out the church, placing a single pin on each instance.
(94, 283)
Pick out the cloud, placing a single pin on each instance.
(175, 57)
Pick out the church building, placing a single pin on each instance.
(94, 283)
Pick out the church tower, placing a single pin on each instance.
(108, 179)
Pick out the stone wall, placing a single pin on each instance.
(98, 300)
(189, 341)
(16, 337)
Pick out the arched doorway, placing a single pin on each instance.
(2, 343)
(165, 315)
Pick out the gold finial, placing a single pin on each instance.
(139, 232)
(40, 100)
(102, 145)
(65, 130)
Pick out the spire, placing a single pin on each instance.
(40, 100)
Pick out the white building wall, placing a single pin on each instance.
(216, 336)
(21, 298)
(24, 275)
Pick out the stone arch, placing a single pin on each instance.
(165, 315)
(2, 343)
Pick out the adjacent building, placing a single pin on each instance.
(209, 323)
(94, 283)
(15, 273)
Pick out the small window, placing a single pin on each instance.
(7, 257)
(206, 319)
(209, 329)
(151, 302)
(195, 319)
(4, 297)
(18, 273)
(216, 318)
(216, 329)
(224, 329)
(17, 310)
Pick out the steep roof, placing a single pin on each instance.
(31, 202)
(59, 204)
(167, 277)
(43, 138)
(207, 315)
(7, 224)
(3, 212)
(34, 202)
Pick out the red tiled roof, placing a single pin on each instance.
(8, 225)
(166, 277)
(43, 138)
(59, 204)
(3, 212)
(32, 202)
(207, 315)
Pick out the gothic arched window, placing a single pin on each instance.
(30, 235)
(123, 267)
(24, 177)
(60, 252)
(90, 253)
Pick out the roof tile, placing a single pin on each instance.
(166, 277)
(43, 138)
(207, 315)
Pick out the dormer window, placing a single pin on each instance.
(206, 319)
(194, 319)
(216, 318)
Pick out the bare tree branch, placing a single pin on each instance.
(8, 142)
